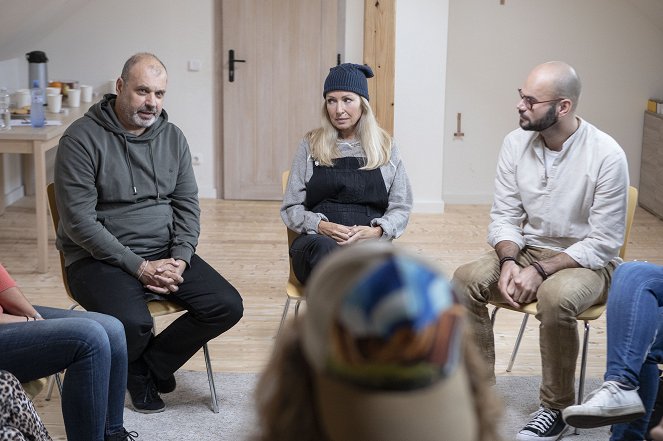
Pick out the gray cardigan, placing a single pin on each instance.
(395, 219)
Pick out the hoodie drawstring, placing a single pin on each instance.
(154, 171)
(126, 157)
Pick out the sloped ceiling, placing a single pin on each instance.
(25, 22)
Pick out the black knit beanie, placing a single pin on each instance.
(350, 77)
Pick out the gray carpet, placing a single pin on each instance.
(188, 414)
(521, 397)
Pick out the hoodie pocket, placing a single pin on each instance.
(143, 234)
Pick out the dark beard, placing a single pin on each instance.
(548, 120)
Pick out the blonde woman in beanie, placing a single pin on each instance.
(347, 183)
(382, 353)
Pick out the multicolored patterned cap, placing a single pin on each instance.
(384, 332)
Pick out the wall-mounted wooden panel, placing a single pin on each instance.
(380, 54)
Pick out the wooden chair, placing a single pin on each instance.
(32, 388)
(592, 313)
(293, 289)
(157, 308)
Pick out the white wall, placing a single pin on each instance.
(491, 48)
(93, 41)
(616, 50)
(353, 22)
(419, 90)
(421, 57)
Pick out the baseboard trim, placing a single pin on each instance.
(431, 207)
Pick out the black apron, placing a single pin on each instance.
(346, 195)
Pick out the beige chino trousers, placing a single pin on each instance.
(561, 298)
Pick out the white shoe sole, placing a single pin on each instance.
(587, 421)
(520, 437)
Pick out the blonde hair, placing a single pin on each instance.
(285, 392)
(375, 142)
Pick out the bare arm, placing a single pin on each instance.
(15, 306)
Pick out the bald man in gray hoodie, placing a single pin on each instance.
(129, 226)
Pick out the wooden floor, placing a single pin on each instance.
(246, 242)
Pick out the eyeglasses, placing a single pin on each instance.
(530, 101)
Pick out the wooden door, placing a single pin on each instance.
(275, 96)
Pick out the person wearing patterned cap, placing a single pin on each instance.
(347, 183)
(383, 353)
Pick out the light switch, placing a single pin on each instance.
(194, 65)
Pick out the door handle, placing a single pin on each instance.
(231, 65)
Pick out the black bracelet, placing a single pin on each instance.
(506, 259)
(539, 269)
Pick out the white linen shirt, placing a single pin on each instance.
(579, 207)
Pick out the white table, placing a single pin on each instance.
(36, 142)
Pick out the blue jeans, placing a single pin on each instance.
(635, 337)
(91, 347)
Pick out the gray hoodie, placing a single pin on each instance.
(123, 197)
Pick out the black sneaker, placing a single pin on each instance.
(122, 435)
(165, 386)
(545, 425)
(144, 395)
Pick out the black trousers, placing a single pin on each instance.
(307, 251)
(213, 306)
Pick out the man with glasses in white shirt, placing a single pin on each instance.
(557, 224)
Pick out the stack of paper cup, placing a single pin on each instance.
(54, 101)
(74, 98)
(22, 98)
(53, 90)
(86, 94)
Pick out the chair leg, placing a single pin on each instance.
(284, 315)
(49, 387)
(210, 378)
(55, 378)
(517, 345)
(493, 315)
(583, 367)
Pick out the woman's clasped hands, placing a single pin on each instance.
(344, 235)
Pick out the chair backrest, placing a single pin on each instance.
(630, 213)
(55, 216)
(291, 234)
